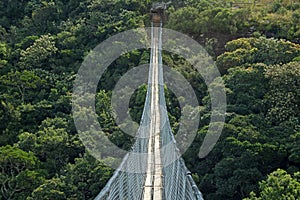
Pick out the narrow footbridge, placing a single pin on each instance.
(153, 169)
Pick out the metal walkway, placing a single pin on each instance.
(154, 183)
(153, 170)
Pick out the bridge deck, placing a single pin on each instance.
(154, 183)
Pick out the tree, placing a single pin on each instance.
(86, 177)
(49, 190)
(10, 122)
(4, 54)
(257, 50)
(294, 148)
(283, 97)
(279, 186)
(22, 81)
(52, 144)
(11, 12)
(242, 157)
(18, 174)
(184, 20)
(38, 54)
(246, 87)
(281, 21)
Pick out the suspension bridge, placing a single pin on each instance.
(153, 169)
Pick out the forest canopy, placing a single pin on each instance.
(255, 44)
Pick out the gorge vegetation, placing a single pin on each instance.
(255, 45)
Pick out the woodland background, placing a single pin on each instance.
(255, 46)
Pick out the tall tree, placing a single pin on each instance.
(18, 174)
(279, 186)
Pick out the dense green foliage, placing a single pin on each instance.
(279, 185)
(255, 46)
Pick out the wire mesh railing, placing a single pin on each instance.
(127, 182)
